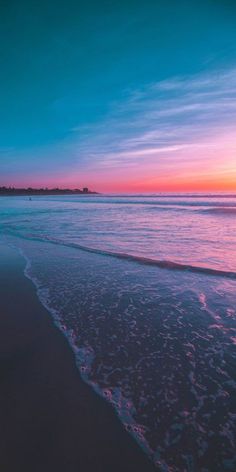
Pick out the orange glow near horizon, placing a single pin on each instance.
(186, 184)
(205, 167)
(147, 184)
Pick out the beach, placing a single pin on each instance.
(118, 333)
(118, 236)
(50, 419)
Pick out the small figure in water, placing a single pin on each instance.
(30, 198)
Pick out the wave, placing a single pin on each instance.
(156, 200)
(162, 264)
(225, 210)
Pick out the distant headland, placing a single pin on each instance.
(8, 191)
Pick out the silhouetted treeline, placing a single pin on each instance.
(43, 191)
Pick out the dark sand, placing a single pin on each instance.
(50, 420)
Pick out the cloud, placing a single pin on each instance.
(183, 126)
(173, 122)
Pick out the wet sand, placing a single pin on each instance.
(50, 420)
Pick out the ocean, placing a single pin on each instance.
(144, 288)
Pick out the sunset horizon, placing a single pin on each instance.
(123, 98)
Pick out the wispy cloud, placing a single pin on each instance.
(180, 128)
(170, 123)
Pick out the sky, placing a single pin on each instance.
(119, 96)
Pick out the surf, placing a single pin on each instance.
(161, 264)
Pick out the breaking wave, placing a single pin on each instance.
(163, 264)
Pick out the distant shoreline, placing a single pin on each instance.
(6, 192)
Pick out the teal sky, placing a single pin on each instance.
(117, 95)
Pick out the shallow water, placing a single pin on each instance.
(156, 342)
(196, 231)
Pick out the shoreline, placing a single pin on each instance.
(50, 418)
(47, 194)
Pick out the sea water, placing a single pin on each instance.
(144, 287)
